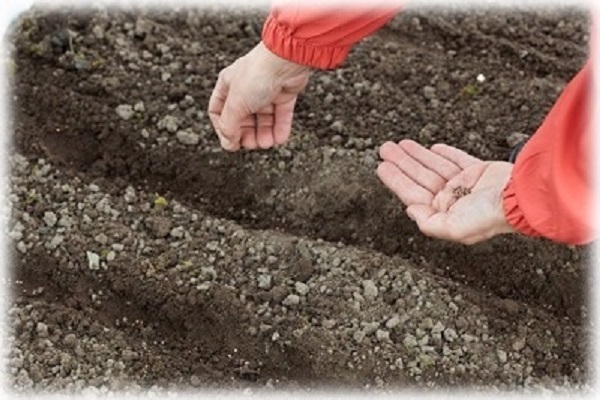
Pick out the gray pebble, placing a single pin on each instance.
(450, 334)
(410, 341)
(382, 335)
(42, 329)
(291, 300)
(502, 356)
(329, 323)
(393, 322)
(302, 288)
(50, 218)
(337, 126)
(188, 137)
(370, 289)
(264, 281)
(125, 111)
(177, 232)
(371, 327)
(139, 107)
(71, 340)
(429, 92)
(170, 123)
(22, 247)
(359, 336)
(519, 344)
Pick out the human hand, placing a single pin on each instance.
(252, 104)
(448, 193)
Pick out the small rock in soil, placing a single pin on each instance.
(279, 293)
(188, 137)
(170, 123)
(291, 300)
(429, 92)
(302, 288)
(71, 340)
(42, 329)
(264, 282)
(50, 218)
(159, 226)
(370, 289)
(125, 111)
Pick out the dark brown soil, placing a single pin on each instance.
(320, 186)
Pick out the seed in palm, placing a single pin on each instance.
(460, 191)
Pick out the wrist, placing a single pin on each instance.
(280, 67)
(502, 224)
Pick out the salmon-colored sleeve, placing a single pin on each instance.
(321, 37)
(550, 191)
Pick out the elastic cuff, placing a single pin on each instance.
(280, 41)
(513, 213)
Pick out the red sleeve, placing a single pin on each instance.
(320, 37)
(550, 191)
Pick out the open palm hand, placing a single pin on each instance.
(448, 193)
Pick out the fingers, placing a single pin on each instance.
(284, 114)
(407, 190)
(264, 128)
(232, 119)
(249, 138)
(458, 157)
(435, 162)
(416, 171)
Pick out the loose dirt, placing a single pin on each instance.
(147, 258)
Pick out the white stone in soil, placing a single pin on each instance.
(15, 235)
(139, 106)
(188, 137)
(93, 260)
(264, 282)
(409, 341)
(118, 247)
(125, 111)
(393, 322)
(359, 335)
(371, 327)
(291, 300)
(502, 356)
(54, 242)
(370, 289)
(302, 288)
(170, 123)
(382, 335)
(450, 334)
(50, 218)
(178, 232)
(101, 238)
(22, 247)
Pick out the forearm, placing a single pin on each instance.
(550, 191)
(321, 37)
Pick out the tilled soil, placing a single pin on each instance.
(145, 257)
